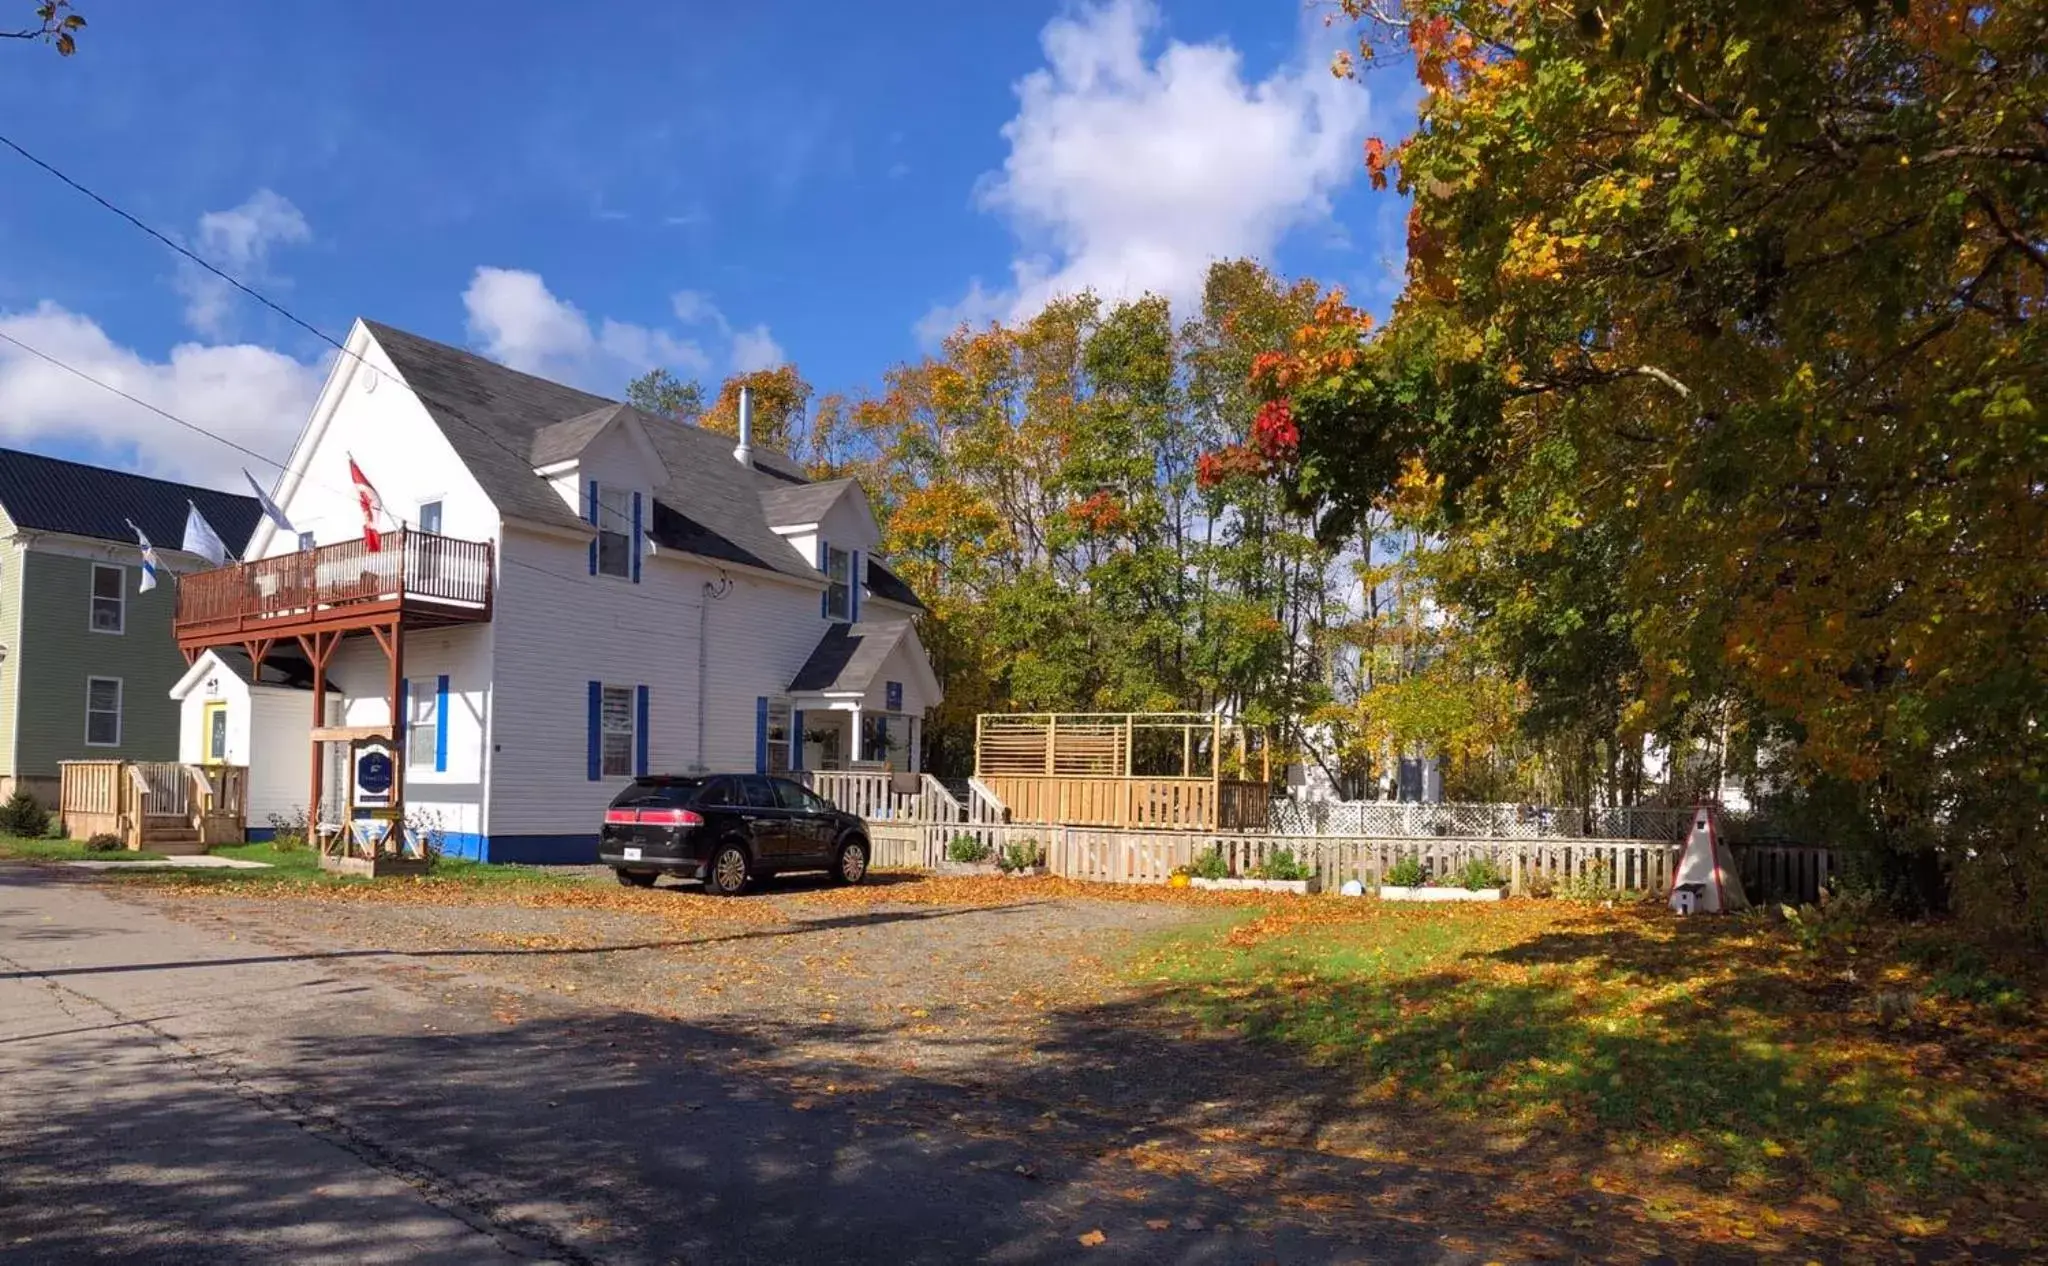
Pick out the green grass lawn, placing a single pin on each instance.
(17, 848)
(1886, 1069)
(286, 866)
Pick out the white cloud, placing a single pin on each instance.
(518, 321)
(755, 349)
(1130, 174)
(255, 396)
(238, 242)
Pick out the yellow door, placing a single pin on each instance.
(215, 750)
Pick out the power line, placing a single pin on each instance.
(196, 429)
(267, 302)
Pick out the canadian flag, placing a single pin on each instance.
(373, 505)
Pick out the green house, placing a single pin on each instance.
(87, 659)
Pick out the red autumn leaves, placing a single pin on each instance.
(1275, 442)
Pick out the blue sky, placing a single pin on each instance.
(586, 191)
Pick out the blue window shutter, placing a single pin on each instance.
(441, 724)
(761, 735)
(640, 731)
(636, 545)
(401, 722)
(796, 739)
(592, 516)
(853, 577)
(596, 730)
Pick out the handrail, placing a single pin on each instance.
(410, 565)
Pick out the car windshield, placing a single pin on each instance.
(669, 791)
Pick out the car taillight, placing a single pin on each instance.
(669, 817)
(619, 817)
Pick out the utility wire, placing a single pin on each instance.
(448, 411)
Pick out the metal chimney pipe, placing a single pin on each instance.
(744, 453)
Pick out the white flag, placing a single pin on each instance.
(148, 560)
(201, 539)
(270, 510)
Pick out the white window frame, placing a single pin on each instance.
(94, 598)
(782, 717)
(607, 731)
(420, 755)
(615, 520)
(838, 583)
(90, 711)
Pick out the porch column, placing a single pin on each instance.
(855, 745)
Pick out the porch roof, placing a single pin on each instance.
(848, 657)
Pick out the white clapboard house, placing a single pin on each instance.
(578, 591)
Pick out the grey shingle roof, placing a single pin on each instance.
(46, 494)
(848, 656)
(503, 423)
(802, 503)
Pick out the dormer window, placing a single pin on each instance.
(614, 531)
(839, 575)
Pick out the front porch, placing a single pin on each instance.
(154, 806)
(320, 600)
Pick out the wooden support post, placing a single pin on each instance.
(1130, 756)
(395, 649)
(1187, 751)
(1052, 736)
(317, 647)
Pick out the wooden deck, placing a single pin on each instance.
(418, 578)
(154, 806)
(1177, 771)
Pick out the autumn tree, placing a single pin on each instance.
(781, 400)
(1720, 330)
(55, 25)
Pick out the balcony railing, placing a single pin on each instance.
(414, 572)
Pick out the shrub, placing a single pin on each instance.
(1479, 873)
(289, 832)
(1596, 883)
(105, 842)
(1406, 873)
(1282, 864)
(1211, 865)
(969, 849)
(22, 816)
(1019, 855)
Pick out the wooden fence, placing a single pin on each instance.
(1770, 873)
(876, 797)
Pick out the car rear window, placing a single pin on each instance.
(758, 794)
(644, 795)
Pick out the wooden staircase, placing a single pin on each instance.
(155, 806)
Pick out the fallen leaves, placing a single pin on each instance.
(1092, 1239)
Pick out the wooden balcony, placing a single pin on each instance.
(418, 580)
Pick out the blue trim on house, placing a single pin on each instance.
(596, 753)
(796, 739)
(853, 587)
(636, 542)
(761, 735)
(591, 515)
(441, 724)
(401, 725)
(527, 850)
(640, 732)
(259, 834)
(825, 598)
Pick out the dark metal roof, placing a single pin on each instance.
(46, 494)
(883, 583)
(503, 423)
(282, 666)
(848, 657)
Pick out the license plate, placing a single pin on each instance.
(632, 854)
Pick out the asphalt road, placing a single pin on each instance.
(172, 1092)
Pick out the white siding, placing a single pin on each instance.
(220, 685)
(282, 722)
(360, 671)
(400, 449)
(558, 629)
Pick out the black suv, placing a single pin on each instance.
(727, 829)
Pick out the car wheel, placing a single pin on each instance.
(851, 866)
(729, 872)
(635, 878)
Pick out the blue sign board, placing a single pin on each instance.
(373, 772)
(893, 693)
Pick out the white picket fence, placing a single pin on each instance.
(874, 796)
(1377, 818)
